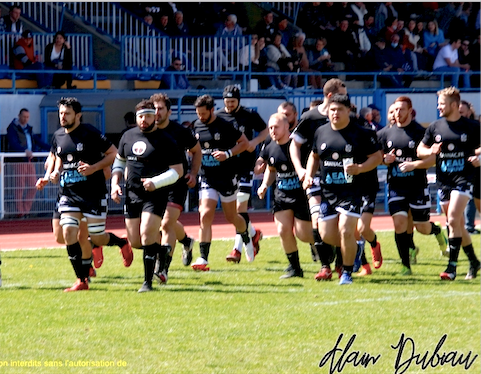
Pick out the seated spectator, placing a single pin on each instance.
(20, 138)
(239, 9)
(279, 60)
(227, 45)
(174, 81)
(311, 19)
(179, 28)
(300, 58)
(265, 28)
(399, 61)
(165, 25)
(12, 21)
(382, 13)
(390, 28)
(58, 56)
(286, 30)
(24, 57)
(411, 42)
(260, 64)
(369, 28)
(344, 11)
(250, 51)
(359, 9)
(433, 39)
(345, 49)
(319, 60)
(447, 60)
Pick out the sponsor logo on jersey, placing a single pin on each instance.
(335, 156)
(139, 148)
(69, 157)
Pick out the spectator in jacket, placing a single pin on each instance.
(20, 138)
(23, 56)
(174, 81)
(58, 56)
(12, 21)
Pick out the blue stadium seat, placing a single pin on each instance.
(3, 72)
(132, 73)
(84, 74)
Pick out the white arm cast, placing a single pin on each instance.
(165, 179)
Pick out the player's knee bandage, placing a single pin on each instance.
(97, 228)
(69, 222)
(315, 209)
(243, 197)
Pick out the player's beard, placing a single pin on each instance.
(69, 125)
(148, 129)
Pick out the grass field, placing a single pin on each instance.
(238, 318)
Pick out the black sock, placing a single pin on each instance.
(86, 265)
(374, 242)
(469, 250)
(325, 253)
(403, 244)
(246, 218)
(167, 257)
(435, 230)
(347, 269)
(411, 240)
(115, 240)
(150, 254)
(185, 240)
(75, 256)
(204, 250)
(245, 236)
(294, 260)
(338, 257)
(317, 236)
(363, 258)
(454, 248)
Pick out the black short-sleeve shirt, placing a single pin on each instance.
(86, 144)
(460, 139)
(146, 155)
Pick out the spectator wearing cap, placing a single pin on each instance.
(171, 81)
(12, 21)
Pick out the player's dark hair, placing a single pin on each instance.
(204, 100)
(341, 99)
(145, 104)
(162, 97)
(71, 102)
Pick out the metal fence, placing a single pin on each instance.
(18, 195)
(81, 45)
(198, 54)
(45, 14)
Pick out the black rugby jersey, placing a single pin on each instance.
(404, 141)
(333, 146)
(288, 187)
(460, 139)
(219, 135)
(86, 144)
(247, 122)
(147, 155)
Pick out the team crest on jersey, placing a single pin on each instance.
(399, 152)
(272, 160)
(335, 156)
(283, 167)
(80, 147)
(216, 136)
(348, 148)
(389, 144)
(139, 148)
(411, 144)
(69, 158)
(450, 146)
(206, 145)
(437, 138)
(464, 137)
(242, 128)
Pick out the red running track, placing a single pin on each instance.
(37, 233)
